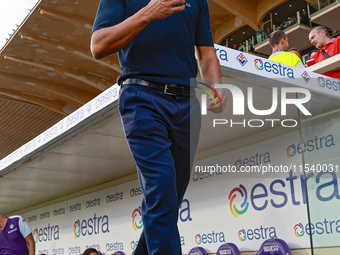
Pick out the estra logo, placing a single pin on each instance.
(32, 218)
(133, 245)
(107, 97)
(258, 233)
(299, 230)
(211, 237)
(75, 250)
(134, 192)
(44, 215)
(114, 246)
(94, 246)
(74, 208)
(318, 143)
(280, 192)
(242, 236)
(35, 235)
(321, 82)
(329, 84)
(198, 239)
(275, 68)
(49, 233)
(137, 221)
(321, 227)
(291, 150)
(244, 206)
(59, 211)
(59, 251)
(238, 164)
(74, 118)
(95, 225)
(258, 64)
(115, 197)
(253, 160)
(92, 203)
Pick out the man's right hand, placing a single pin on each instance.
(160, 9)
(109, 40)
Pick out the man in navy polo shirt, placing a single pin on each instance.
(155, 41)
(15, 236)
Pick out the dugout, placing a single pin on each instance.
(76, 183)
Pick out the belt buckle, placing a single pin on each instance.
(166, 90)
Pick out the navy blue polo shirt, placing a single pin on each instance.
(164, 50)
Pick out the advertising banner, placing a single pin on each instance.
(244, 196)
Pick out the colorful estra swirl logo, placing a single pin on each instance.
(298, 230)
(258, 64)
(232, 195)
(238, 164)
(321, 82)
(35, 235)
(195, 177)
(97, 103)
(198, 239)
(291, 150)
(77, 229)
(67, 122)
(242, 235)
(133, 245)
(209, 93)
(135, 213)
(132, 193)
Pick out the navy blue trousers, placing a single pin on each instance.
(162, 133)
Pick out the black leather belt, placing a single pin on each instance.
(168, 89)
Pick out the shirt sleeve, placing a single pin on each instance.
(203, 33)
(24, 228)
(109, 13)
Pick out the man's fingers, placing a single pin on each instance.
(178, 8)
(219, 106)
(177, 2)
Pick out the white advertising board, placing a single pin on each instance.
(238, 206)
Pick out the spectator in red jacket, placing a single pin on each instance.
(327, 46)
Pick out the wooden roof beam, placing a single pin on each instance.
(98, 85)
(72, 50)
(246, 10)
(60, 107)
(73, 19)
(71, 95)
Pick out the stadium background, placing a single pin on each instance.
(47, 72)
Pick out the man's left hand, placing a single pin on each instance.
(218, 108)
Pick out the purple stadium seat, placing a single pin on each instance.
(197, 251)
(119, 253)
(228, 248)
(274, 246)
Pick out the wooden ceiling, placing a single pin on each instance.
(47, 70)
